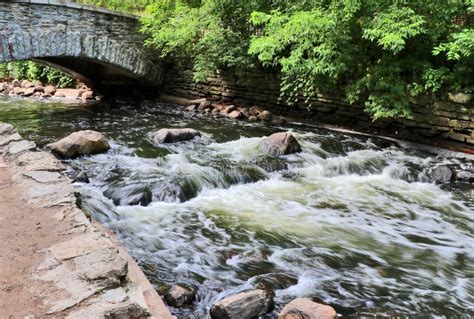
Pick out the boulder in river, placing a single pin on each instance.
(442, 174)
(204, 105)
(80, 143)
(29, 92)
(173, 135)
(27, 84)
(50, 90)
(252, 118)
(305, 308)
(191, 108)
(180, 295)
(88, 95)
(265, 116)
(281, 143)
(255, 110)
(245, 305)
(235, 115)
(81, 177)
(18, 90)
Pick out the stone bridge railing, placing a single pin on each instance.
(101, 45)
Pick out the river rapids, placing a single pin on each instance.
(358, 222)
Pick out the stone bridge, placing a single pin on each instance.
(99, 46)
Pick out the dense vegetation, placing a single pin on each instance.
(34, 72)
(134, 6)
(382, 52)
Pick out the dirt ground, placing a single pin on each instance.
(24, 232)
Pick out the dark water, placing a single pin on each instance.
(351, 220)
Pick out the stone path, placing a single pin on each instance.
(55, 262)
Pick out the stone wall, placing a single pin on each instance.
(99, 44)
(451, 120)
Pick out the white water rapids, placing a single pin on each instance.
(355, 221)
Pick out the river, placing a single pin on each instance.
(353, 220)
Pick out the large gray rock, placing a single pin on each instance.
(281, 143)
(80, 143)
(245, 305)
(304, 308)
(173, 135)
(442, 174)
(180, 295)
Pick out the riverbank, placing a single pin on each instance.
(25, 88)
(54, 261)
(279, 116)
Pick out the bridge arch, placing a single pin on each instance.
(99, 46)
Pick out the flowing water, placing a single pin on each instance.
(354, 221)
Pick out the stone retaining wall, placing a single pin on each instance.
(433, 120)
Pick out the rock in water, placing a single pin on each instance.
(173, 135)
(245, 305)
(80, 143)
(442, 174)
(235, 115)
(265, 116)
(281, 143)
(81, 177)
(304, 308)
(179, 296)
(50, 90)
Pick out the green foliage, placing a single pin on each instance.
(382, 52)
(391, 27)
(382, 60)
(212, 33)
(32, 71)
(133, 6)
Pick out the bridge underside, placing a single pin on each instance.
(103, 77)
(102, 48)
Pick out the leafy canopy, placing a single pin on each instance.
(380, 52)
(32, 71)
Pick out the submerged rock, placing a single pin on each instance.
(281, 143)
(173, 135)
(252, 118)
(441, 174)
(464, 177)
(305, 308)
(81, 177)
(80, 143)
(245, 305)
(180, 295)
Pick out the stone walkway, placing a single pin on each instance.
(54, 262)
